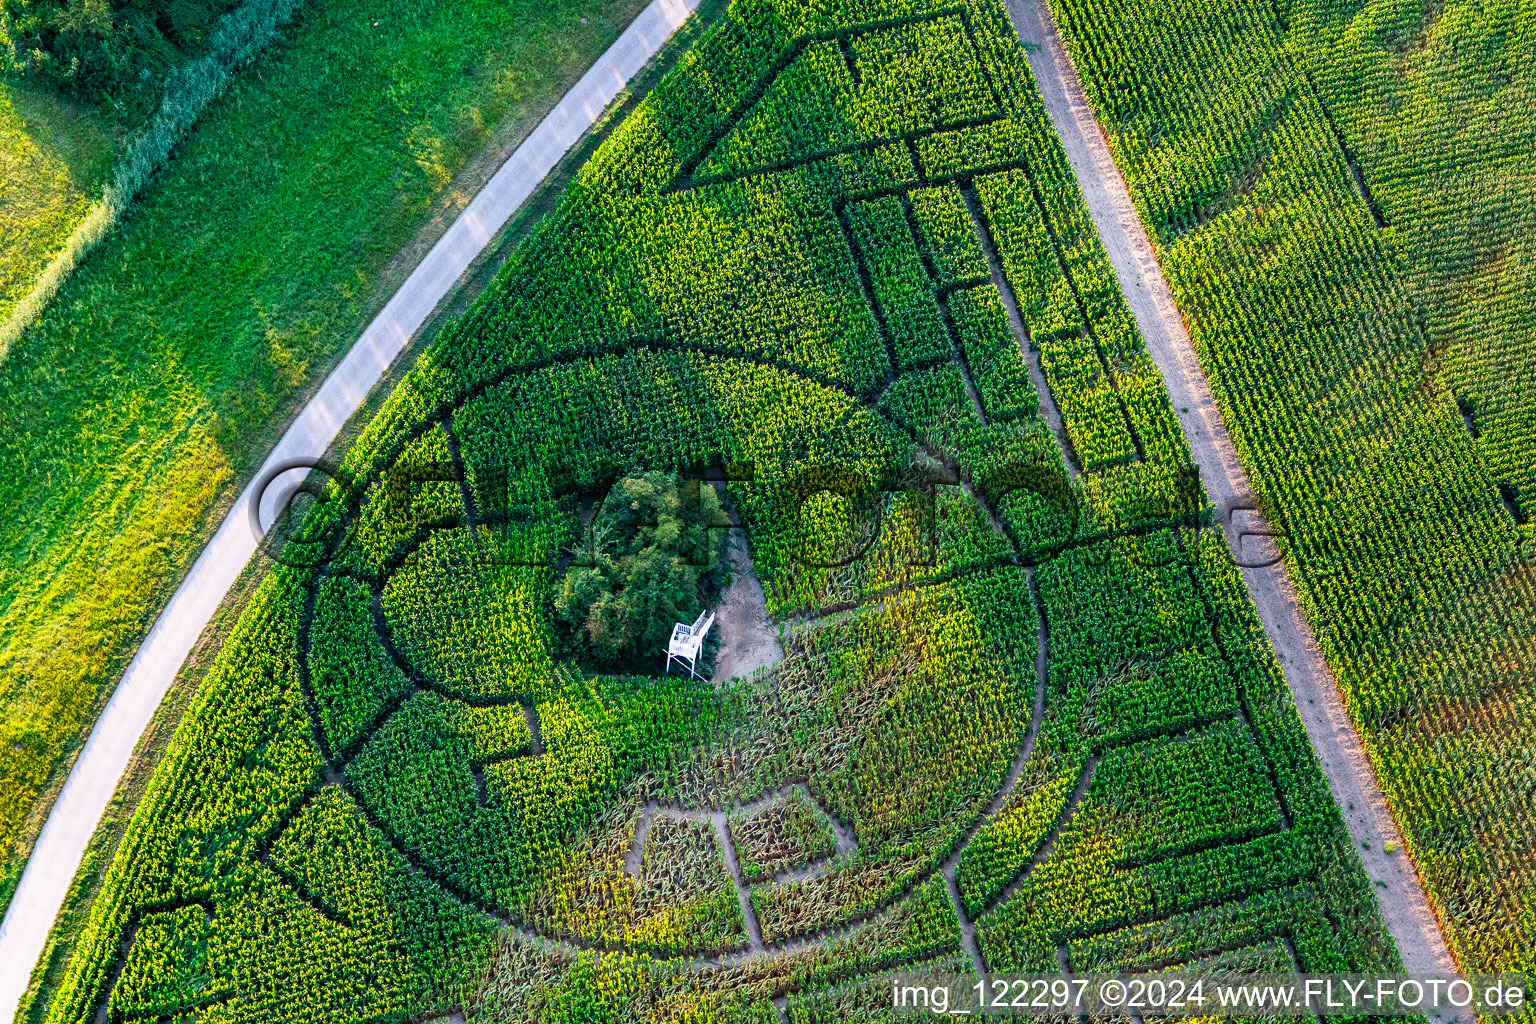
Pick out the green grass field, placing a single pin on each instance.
(1011, 696)
(54, 155)
(167, 366)
(1344, 199)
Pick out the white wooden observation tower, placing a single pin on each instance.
(687, 642)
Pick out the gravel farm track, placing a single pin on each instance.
(1404, 906)
(94, 778)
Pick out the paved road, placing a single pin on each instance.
(1403, 904)
(95, 775)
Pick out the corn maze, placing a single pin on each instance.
(1341, 197)
(836, 266)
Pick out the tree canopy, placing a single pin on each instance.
(94, 47)
(651, 557)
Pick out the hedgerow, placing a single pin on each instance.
(1043, 683)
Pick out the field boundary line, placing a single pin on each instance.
(91, 783)
(1400, 896)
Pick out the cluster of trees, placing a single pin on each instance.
(652, 556)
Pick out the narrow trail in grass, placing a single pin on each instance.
(94, 779)
(1404, 907)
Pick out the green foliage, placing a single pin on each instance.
(1079, 374)
(1002, 377)
(781, 837)
(1179, 795)
(96, 46)
(904, 79)
(595, 992)
(467, 625)
(1343, 201)
(168, 968)
(417, 494)
(652, 558)
(350, 673)
(1057, 691)
(56, 153)
(683, 868)
(903, 292)
(154, 385)
(949, 237)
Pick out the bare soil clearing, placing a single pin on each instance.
(748, 639)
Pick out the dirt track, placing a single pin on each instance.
(1404, 906)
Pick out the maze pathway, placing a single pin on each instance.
(1400, 895)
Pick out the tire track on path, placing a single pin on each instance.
(1405, 909)
(76, 813)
